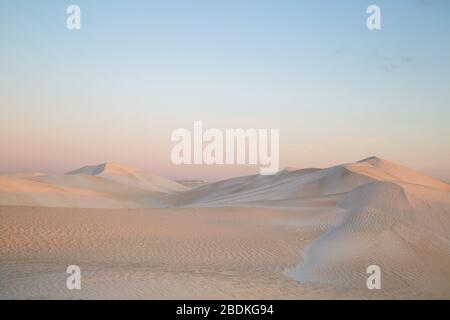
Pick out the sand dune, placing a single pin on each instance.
(405, 229)
(100, 186)
(307, 233)
(292, 187)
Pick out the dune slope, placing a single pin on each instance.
(101, 186)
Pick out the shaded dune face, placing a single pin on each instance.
(287, 186)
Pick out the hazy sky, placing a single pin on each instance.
(115, 90)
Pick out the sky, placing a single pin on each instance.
(137, 70)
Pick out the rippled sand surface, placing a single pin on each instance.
(243, 253)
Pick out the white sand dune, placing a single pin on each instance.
(101, 186)
(385, 214)
(403, 228)
(290, 187)
(307, 233)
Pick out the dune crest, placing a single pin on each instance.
(385, 170)
(291, 188)
(105, 168)
(99, 186)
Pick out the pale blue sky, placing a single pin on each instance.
(139, 69)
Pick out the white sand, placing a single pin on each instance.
(299, 234)
(101, 186)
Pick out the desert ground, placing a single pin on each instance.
(300, 234)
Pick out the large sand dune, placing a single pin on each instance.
(101, 186)
(293, 187)
(307, 233)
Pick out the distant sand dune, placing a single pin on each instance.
(293, 186)
(101, 186)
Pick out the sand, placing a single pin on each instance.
(100, 186)
(301, 234)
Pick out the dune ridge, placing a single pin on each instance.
(292, 187)
(113, 185)
(106, 185)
